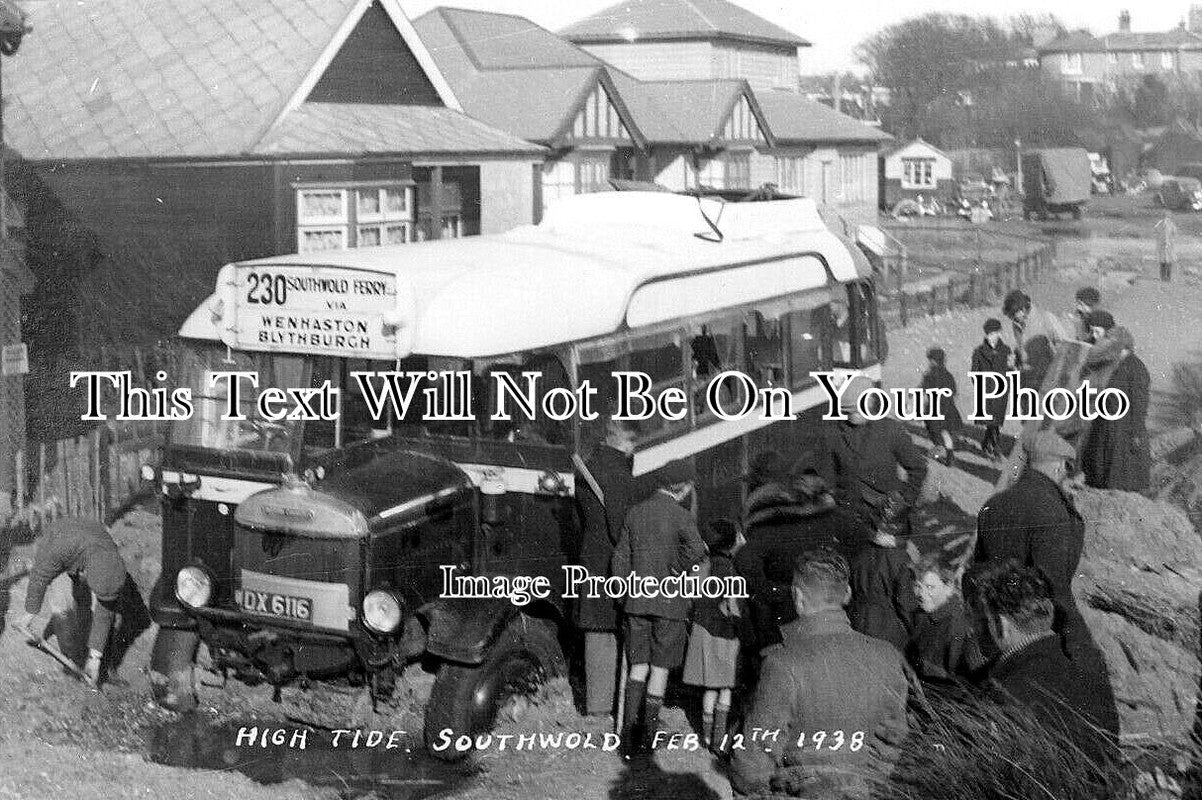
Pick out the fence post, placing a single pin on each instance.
(19, 474)
(901, 306)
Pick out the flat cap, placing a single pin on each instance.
(1089, 296)
(856, 386)
(993, 324)
(1047, 444)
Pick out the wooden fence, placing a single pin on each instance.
(983, 285)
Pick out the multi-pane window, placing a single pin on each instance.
(1071, 64)
(738, 170)
(1137, 60)
(594, 174)
(918, 173)
(1166, 60)
(791, 174)
(1112, 59)
(335, 218)
(853, 175)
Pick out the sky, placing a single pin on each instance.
(835, 28)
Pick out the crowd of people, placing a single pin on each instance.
(847, 627)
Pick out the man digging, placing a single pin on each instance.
(83, 550)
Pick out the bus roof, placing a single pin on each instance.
(596, 264)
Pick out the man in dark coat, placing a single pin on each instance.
(1087, 300)
(660, 539)
(837, 697)
(1013, 608)
(783, 519)
(605, 491)
(83, 550)
(863, 455)
(1114, 454)
(1037, 525)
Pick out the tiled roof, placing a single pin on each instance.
(693, 109)
(194, 79)
(146, 78)
(678, 19)
(1123, 41)
(355, 128)
(795, 119)
(508, 71)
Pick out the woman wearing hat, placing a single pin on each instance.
(993, 355)
(1114, 454)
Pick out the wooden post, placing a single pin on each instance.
(42, 477)
(60, 448)
(20, 478)
(94, 473)
(901, 304)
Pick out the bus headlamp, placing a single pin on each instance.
(381, 611)
(193, 587)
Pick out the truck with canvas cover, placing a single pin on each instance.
(1055, 181)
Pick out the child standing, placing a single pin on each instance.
(713, 640)
(993, 355)
(942, 432)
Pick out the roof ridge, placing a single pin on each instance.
(701, 14)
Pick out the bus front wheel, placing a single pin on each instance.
(171, 662)
(465, 699)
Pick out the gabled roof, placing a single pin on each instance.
(796, 119)
(514, 74)
(694, 111)
(922, 144)
(1123, 41)
(635, 20)
(183, 78)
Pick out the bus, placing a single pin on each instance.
(310, 551)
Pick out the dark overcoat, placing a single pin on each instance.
(940, 378)
(1061, 695)
(862, 461)
(602, 525)
(943, 646)
(1115, 454)
(659, 539)
(883, 603)
(993, 359)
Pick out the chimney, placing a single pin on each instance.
(1124, 21)
(837, 92)
(1195, 18)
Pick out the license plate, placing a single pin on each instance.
(270, 604)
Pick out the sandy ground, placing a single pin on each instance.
(58, 739)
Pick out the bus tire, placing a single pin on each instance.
(466, 699)
(171, 661)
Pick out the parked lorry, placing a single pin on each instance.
(1055, 181)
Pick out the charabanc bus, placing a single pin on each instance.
(305, 552)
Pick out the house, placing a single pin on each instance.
(820, 153)
(656, 40)
(525, 80)
(915, 168)
(1089, 67)
(807, 148)
(160, 139)
(597, 121)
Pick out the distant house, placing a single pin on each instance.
(1090, 67)
(159, 139)
(806, 147)
(914, 169)
(657, 40)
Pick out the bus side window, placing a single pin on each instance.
(357, 422)
(662, 360)
(765, 350)
(837, 334)
(805, 345)
(715, 349)
(864, 317)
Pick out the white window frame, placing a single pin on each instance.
(1137, 60)
(912, 178)
(1112, 59)
(351, 224)
(558, 181)
(1166, 60)
(1070, 64)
